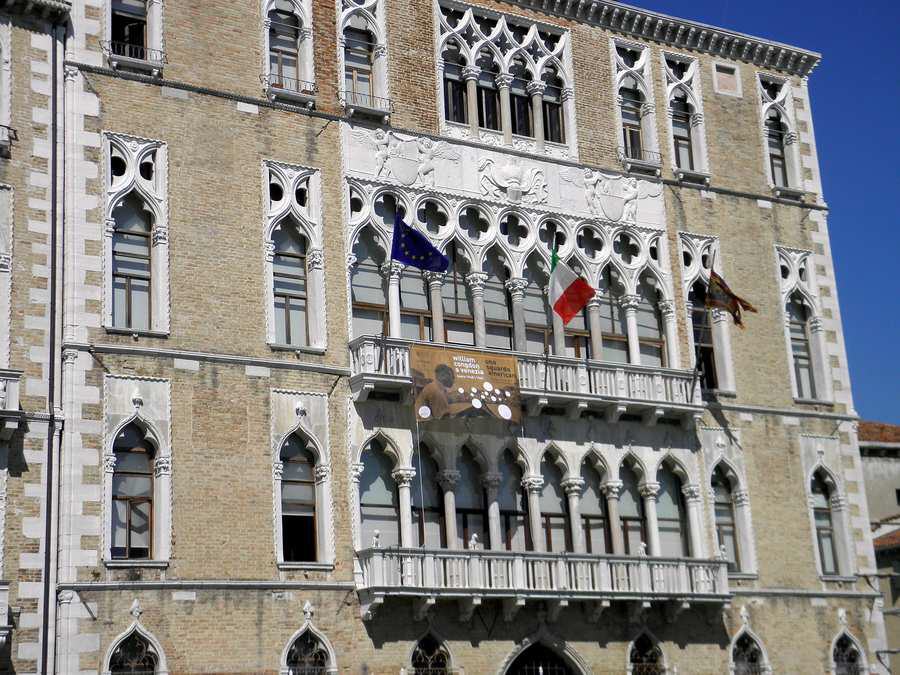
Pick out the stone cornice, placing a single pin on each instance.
(681, 33)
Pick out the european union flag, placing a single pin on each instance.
(413, 248)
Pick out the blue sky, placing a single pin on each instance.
(855, 94)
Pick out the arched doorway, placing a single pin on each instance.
(539, 660)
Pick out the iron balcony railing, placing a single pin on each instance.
(289, 84)
(572, 576)
(633, 155)
(133, 52)
(575, 384)
(354, 100)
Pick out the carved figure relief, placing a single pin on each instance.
(512, 181)
(611, 196)
(407, 160)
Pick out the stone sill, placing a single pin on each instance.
(278, 347)
(793, 194)
(112, 330)
(838, 578)
(813, 401)
(743, 576)
(125, 564)
(309, 566)
(693, 177)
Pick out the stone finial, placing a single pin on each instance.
(136, 610)
(308, 610)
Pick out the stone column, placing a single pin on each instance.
(611, 490)
(475, 281)
(573, 488)
(667, 309)
(819, 355)
(503, 81)
(649, 493)
(721, 339)
(691, 493)
(315, 314)
(559, 330)
(403, 477)
(593, 308)
(839, 514)
(533, 485)
(470, 77)
(743, 526)
(516, 288)
(491, 482)
(448, 479)
(535, 89)
(392, 270)
(435, 281)
(629, 304)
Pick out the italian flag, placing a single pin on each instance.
(569, 293)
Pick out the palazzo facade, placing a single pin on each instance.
(211, 456)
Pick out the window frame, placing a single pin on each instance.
(131, 503)
(118, 235)
(314, 504)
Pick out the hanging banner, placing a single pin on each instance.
(459, 383)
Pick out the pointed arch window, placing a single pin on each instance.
(776, 136)
(471, 513)
(541, 660)
(497, 304)
(554, 509)
(801, 354)
(458, 321)
(645, 658)
(651, 334)
(285, 35)
(702, 332)
(824, 524)
(513, 506)
(307, 656)
(132, 496)
(359, 51)
(847, 658)
(298, 501)
(430, 657)
(290, 285)
(682, 133)
(726, 529)
(378, 500)
(131, 264)
(631, 102)
(552, 108)
(455, 95)
(631, 512)
(671, 515)
(133, 656)
(519, 101)
(747, 656)
(488, 94)
(612, 320)
(427, 503)
(538, 323)
(369, 300)
(594, 519)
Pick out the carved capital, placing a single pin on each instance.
(691, 492)
(837, 502)
(321, 473)
(392, 270)
(503, 80)
(351, 261)
(109, 462)
(649, 490)
(516, 287)
(475, 281)
(471, 73)
(567, 93)
(269, 248)
(356, 471)
(277, 470)
(629, 302)
(696, 119)
(719, 315)
(403, 477)
(109, 227)
(70, 73)
(491, 480)
(5, 262)
(533, 483)
(594, 302)
(740, 497)
(648, 109)
(69, 356)
(162, 466)
(315, 259)
(65, 597)
(815, 325)
(535, 87)
(448, 479)
(791, 137)
(160, 235)
(573, 486)
(434, 279)
(612, 488)
(667, 308)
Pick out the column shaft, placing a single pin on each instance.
(503, 82)
(595, 328)
(629, 304)
(516, 287)
(476, 287)
(435, 280)
(612, 490)
(649, 492)
(472, 102)
(573, 488)
(537, 113)
(491, 483)
(393, 270)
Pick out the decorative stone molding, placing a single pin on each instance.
(573, 486)
(640, 73)
(782, 103)
(533, 483)
(403, 476)
(691, 492)
(612, 489)
(475, 282)
(649, 490)
(162, 466)
(687, 85)
(516, 287)
(447, 479)
(629, 302)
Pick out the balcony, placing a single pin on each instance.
(556, 579)
(133, 57)
(290, 89)
(8, 136)
(558, 382)
(640, 161)
(355, 103)
(9, 402)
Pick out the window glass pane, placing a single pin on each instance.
(140, 304)
(826, 547)
(534, 341)
(498, 337)
(510, 490)
(140, 528)
(280, 320)
(298, 538)
(557, 534)
(125, 485)
(651, 355)
(413, 292)
(425, 482)
(367, 284)
(595, 535)
(131, 244)
(455, 296)
(670, 540)
(469, 492)
(630, 498)
(433, 527)
(119, 524)
(632, 535)
(385, 521)
(615, 351)
(513, 532)
(295, 449)
(459, 332)
(553, 498)
(129, 266)
(119, 303)
(409, 327)
(298, 322)
(592, 499)
(367, 322)
(376, 486)
(137, 462)
(727, 539)
(297, 492)
(669, 500)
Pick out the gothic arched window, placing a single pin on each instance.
(670, 513)
(471, 516)
(631, 512)
(651, 335)
(488, 94)
(427, 503)
(535, 307)
(798, 326)
(747, 656)
(430, 657)
(554, 510)
(594, 520)
(612, 319)
(378, 503)
(702, 330)
(824, 524)
(846, 656)
(552, 107)
(284, 46)
(131, 264)
(369, 300)
(458, 321)
(682, 133)
(519, 100)
(307, 656)
(726, 529)
(359, 58)
(645, 657)
(298, 501)
(497, 316)
(290, 285)
(415, 311)
(133, 656)
(132, 495)
(128, 28)
(632, 100)
(776, 136)
(455, 96)
(513, 505)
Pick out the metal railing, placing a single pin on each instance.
(630, 155)
(289, 84)
(353, 99)
(134, 52)
(388, 359)
(504, 573)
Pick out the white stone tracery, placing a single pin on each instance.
(309, 627)
(137, 628)
(765, 666)
(845, 632)
(783, 103)
(643, 78)
(129, 161)
(689, 86)
(285, 186)
(541, 48)
(798, 281)
(698, 253)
